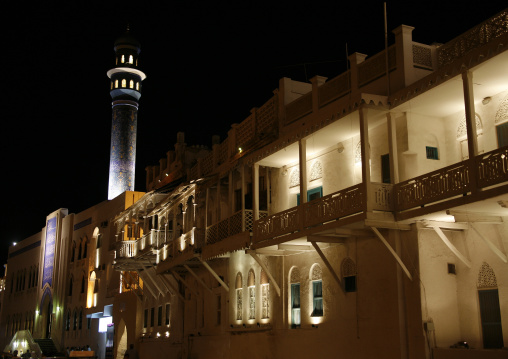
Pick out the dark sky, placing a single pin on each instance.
(207, 64)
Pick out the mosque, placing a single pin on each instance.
(363, 216)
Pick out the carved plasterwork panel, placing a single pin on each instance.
(486, 277)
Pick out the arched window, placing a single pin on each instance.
(85, 247)
(122, 59)
(137, 85)
(79, 251)
(68, 321)
(116, 83)
(83, 284)
(124, 83)
(239, 296)
(265, 295)
(131, 84)
(131, 59)
(348, 269)
(70, 286)
(317, 291)
(80, 319)
(294, 283)
(251, 284)
(111, 85)
(75, 321)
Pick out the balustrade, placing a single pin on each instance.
(381, 196)
(331, 207)
(434, 186)
(231, 226)
(492, 167)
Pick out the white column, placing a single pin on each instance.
(302, 156)
(255, 195)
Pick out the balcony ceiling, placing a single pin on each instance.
(328, 138)
(489, 79)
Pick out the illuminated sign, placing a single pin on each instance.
(49, 252)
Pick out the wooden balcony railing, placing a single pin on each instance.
(492, 167)
(151, 240)
(231, 226)
(331, 207)
(434, 186)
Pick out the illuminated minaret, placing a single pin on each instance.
(125, 91)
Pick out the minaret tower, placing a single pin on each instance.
(125, 91)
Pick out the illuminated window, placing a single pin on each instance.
(131, 84)
(123, 59)
(294, 280)
(317, 291)
(124, 83)
(137, 86)
(168, 311)
(265, 295)
(116, 84)
(239, 295)
(112, 85)
(131, 59)
(251, 283)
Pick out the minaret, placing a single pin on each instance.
(125, 91)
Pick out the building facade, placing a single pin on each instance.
(362, 216)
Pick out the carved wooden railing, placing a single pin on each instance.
(333, 206)
(328, 208)
(151, 240)
(474, 38)
(434, 186)
(277, 225)
(126, 249)
(492, 167)
(231, 225)
(381, 196)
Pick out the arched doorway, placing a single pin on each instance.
(46, 313)
(490, 313)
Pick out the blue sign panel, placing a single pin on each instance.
(49, 252)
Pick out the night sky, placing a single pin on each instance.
(207, 64)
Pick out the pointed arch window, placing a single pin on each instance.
(131, 84)
(251, 283)
(75, 321)
(137, 85)
(79, 251)
(85, 248)
(294, 282)
(122, 59)
(131, 59)
(116, 83)
(317, 291)
(68, 321)
(124, 83)
(239, 296)
(265, 295)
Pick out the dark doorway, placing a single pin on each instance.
(491, 319)
(49, 317)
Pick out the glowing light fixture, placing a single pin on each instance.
(240, 150)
